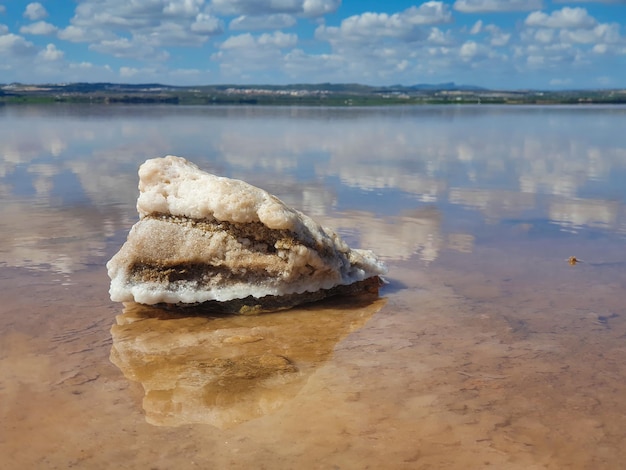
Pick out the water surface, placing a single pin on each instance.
(486, 349)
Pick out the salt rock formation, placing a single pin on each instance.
(204, 238)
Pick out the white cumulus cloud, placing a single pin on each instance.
(483, 6)
(569, 38)
(188, 8)
(51, 53)
(39, 28)
(544, 35)
(240, 41)
(602, 33)
(600, 49)
(309, 8)
(16, 46)
(77, 34)
(498, 37)
(252, 23)
(565, 18)
(35, 11)
(207, 24)
(125, 48)
(157, 23)
(407, 25)
(278, 39)
(254, 57)
(315, 8)
(468, 50)
(128, 72)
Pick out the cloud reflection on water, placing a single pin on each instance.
(396, 180)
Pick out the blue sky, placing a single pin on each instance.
(505, 44)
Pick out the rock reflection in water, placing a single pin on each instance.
(225, 370)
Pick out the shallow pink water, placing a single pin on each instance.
(485, 350)
(455, 369)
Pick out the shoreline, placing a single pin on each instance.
(290, 95)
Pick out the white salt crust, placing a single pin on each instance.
(175, 186)
(172, 186)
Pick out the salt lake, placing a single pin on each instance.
(486, 349)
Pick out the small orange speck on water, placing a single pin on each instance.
(572, 260)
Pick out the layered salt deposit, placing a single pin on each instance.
(202, 238)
